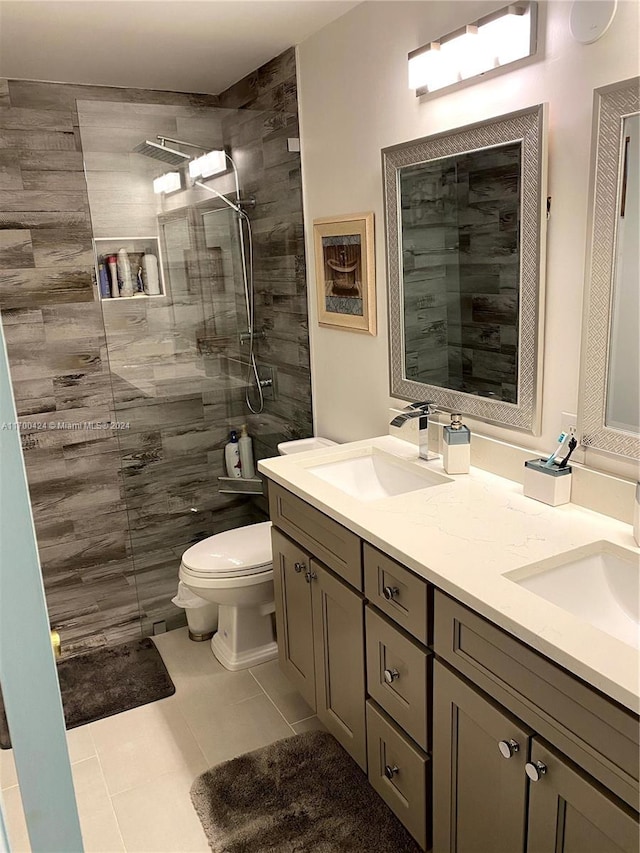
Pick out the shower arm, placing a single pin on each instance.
(164, 139)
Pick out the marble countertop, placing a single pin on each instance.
(463, 536)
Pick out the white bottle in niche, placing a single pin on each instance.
(232, 456)
(150, 275)
(246, 454)
(456, 454)
(636, 516)
(124, 273)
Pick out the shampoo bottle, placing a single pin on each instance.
(124, 272)
(456, 447)
(150, 275)
(112, 263)
(232, 455)
(103, 280)
(246, 454)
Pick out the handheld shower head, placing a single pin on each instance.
(160, 151)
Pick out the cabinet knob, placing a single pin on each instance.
(299, 567)
(390, 675)
(508, 747)
(535, 770)
(390, 592)
(310, 576)
(390, 771)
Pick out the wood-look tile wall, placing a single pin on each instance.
(113, 511)
(258, 140)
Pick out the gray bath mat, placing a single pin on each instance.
(105, 682)
(300, 794)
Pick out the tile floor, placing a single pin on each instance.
(132, 772)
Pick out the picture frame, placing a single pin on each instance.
(345, 272)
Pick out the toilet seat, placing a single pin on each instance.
(238, 553)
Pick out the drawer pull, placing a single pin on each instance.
(299, 567)
(390, 771)
(390, 592)
(390, 675)
(508, 748)
(535, 770)
(310, 576)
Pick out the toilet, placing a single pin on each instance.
(234, 570)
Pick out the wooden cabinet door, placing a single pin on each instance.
(292, 587)
(570, 813)
(338, 627)
(479, 795)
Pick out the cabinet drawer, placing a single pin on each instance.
(404, 597)
(330, 542)
(399, 677)
(594, 731)
(400, 773)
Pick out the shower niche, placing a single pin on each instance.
(128, 267)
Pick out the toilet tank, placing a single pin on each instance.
(303, 444)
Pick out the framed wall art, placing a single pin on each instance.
(345, 272)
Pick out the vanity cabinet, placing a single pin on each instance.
(523, 757)
(526, 758)
(321, 641)
(498, 788)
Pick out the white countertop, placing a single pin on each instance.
(464, 536)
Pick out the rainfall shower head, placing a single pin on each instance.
(160, 151)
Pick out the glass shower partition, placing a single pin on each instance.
(176, 360)
(178, 353)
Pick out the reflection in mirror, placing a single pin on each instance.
(465, 260)
(623, 387)
(461, 270)
(609, 416)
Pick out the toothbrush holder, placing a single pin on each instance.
(550, 485)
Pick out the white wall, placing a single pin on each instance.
(354, 101)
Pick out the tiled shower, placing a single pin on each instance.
(115, 508)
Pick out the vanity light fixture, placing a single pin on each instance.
(490, 43)
(212, 163)
(170, 182)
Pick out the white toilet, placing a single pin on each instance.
(234, 570)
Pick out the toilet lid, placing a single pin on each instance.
(243, 551)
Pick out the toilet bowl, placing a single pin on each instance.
(234, 570)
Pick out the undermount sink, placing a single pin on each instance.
(599, 583)
(375, 474)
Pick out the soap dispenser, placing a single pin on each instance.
(456, 446)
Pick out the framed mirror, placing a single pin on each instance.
(465, 227)
(609, 411)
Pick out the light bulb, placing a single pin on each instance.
(212, 163)
(167, 183)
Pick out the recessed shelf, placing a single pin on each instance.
(136, 248)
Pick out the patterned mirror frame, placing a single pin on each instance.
(611, 105)
(529, 127)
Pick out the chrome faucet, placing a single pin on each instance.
(422, 411)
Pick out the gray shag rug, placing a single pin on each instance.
(300, 794)
(105, 682)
